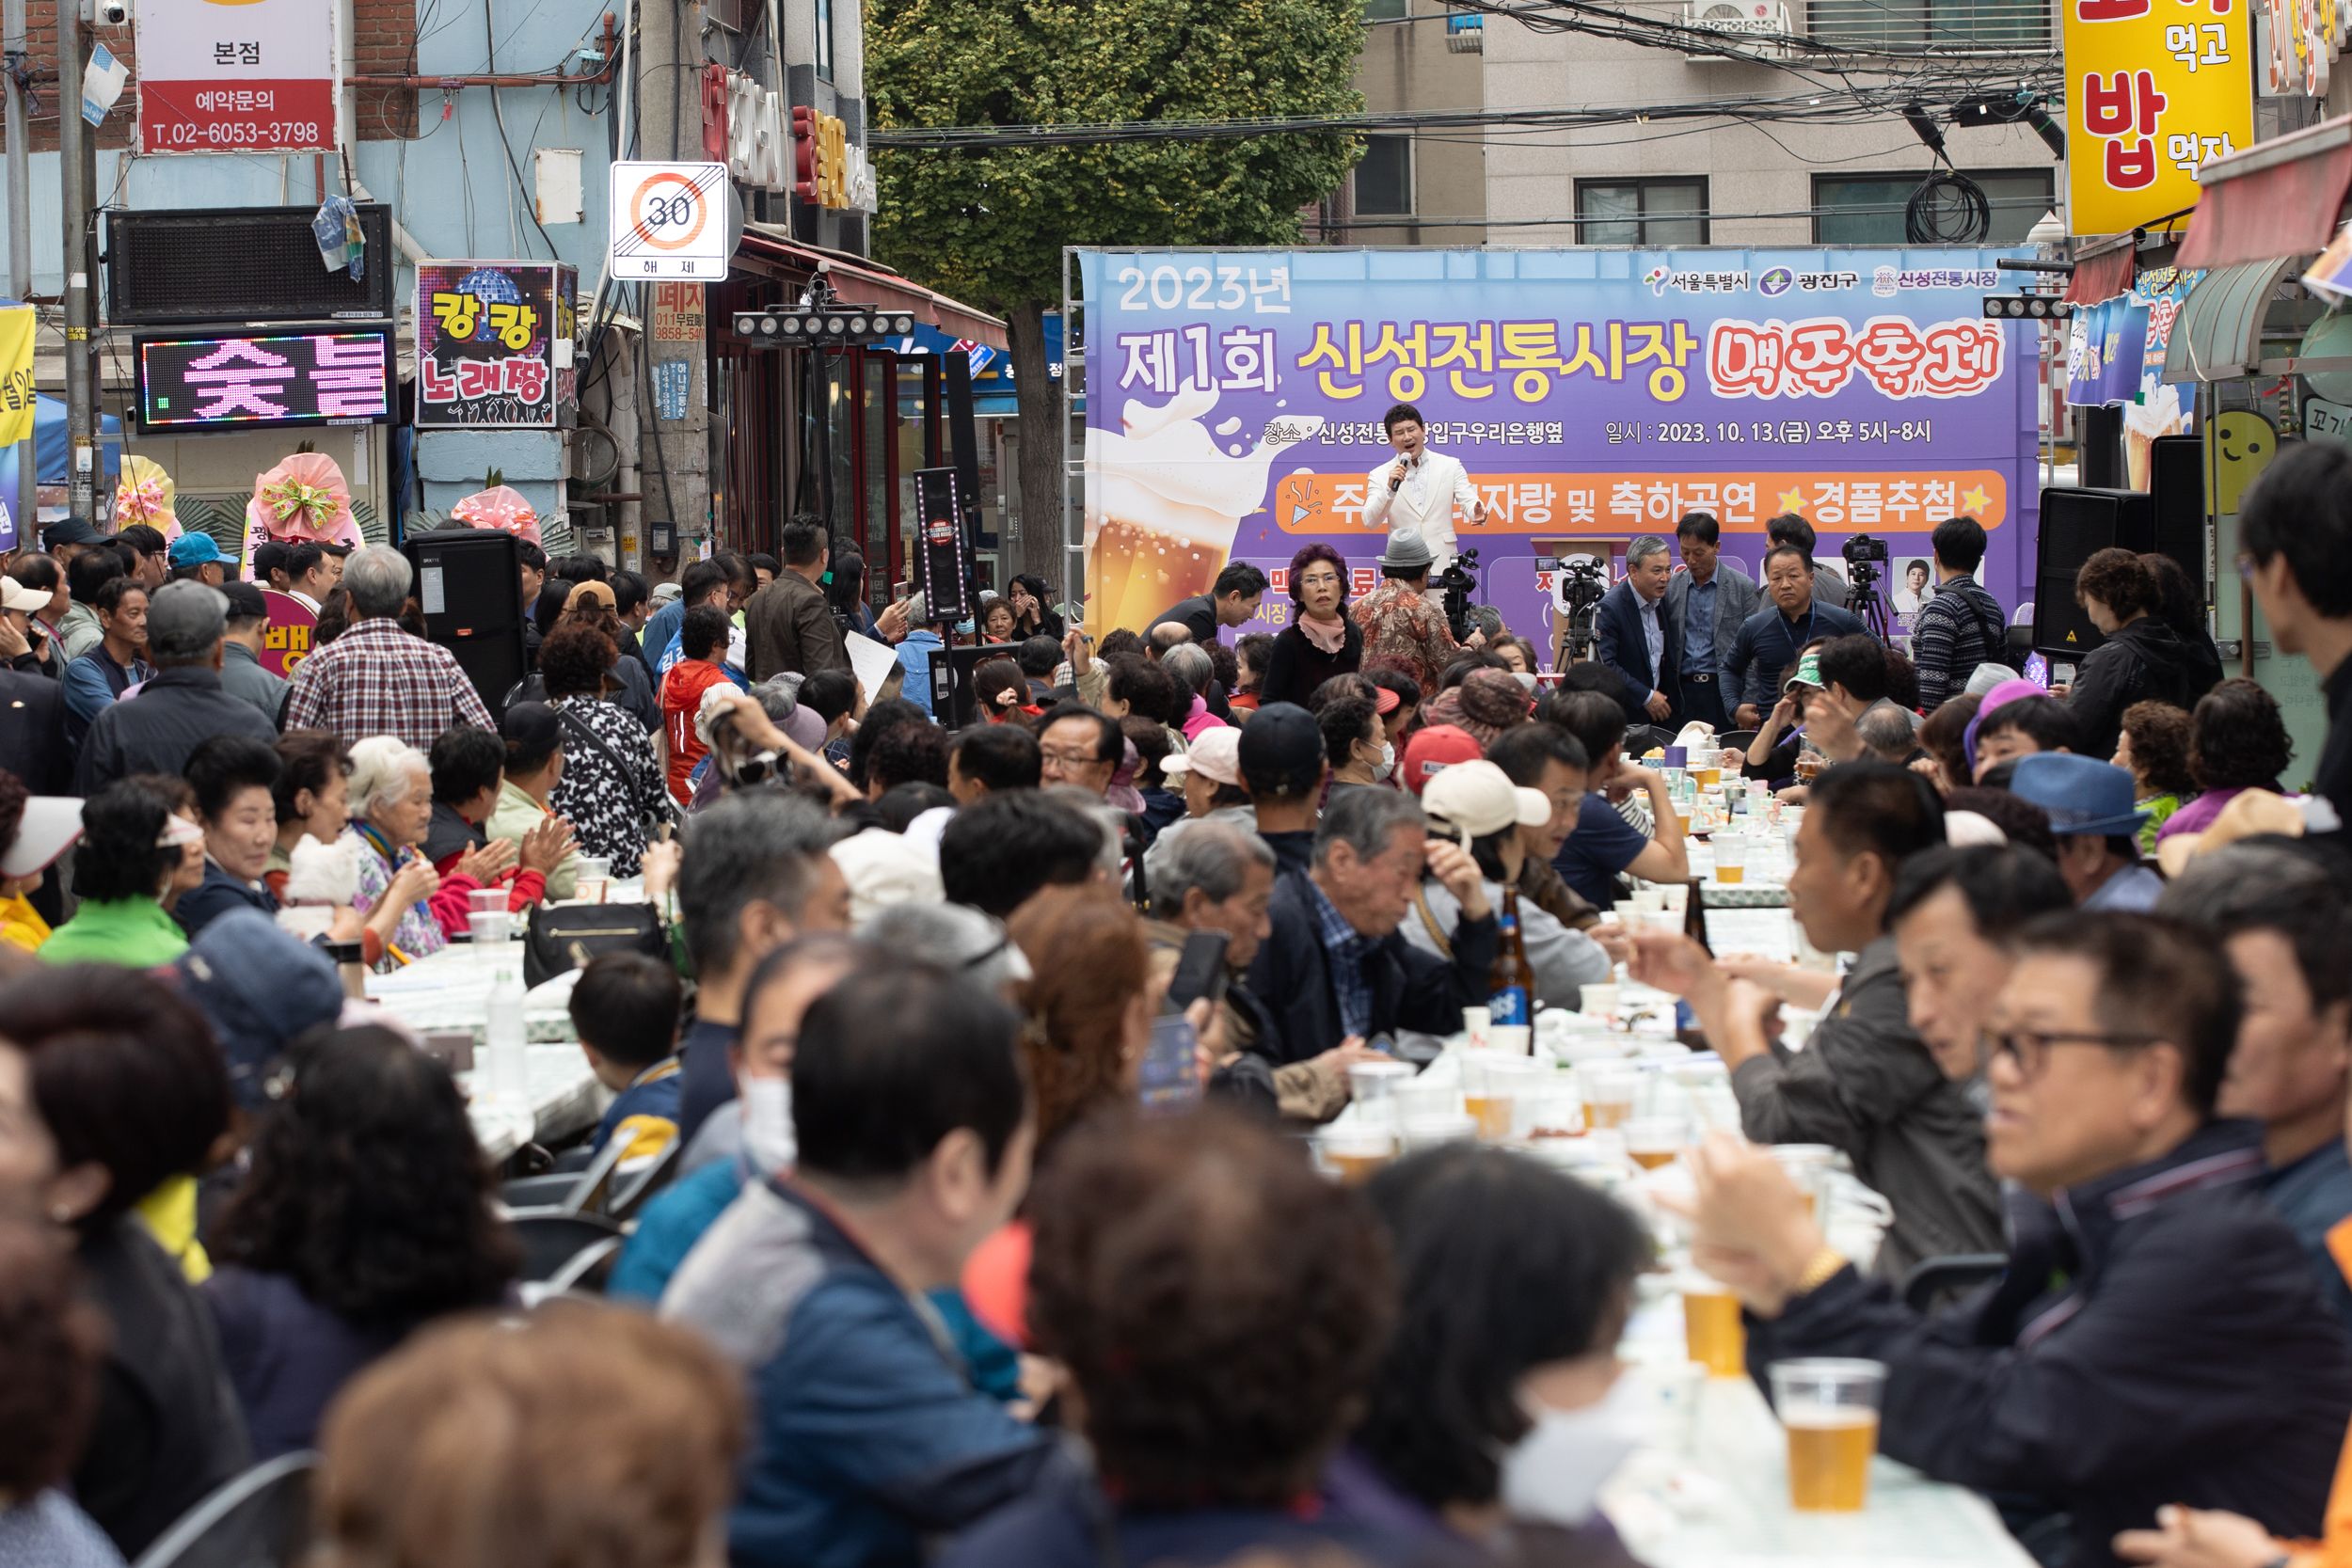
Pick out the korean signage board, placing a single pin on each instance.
(2153, 89)
(271, 380)
(1236, 402)
(495, 345)
(670, 220)
(286, 635)
(236, 75)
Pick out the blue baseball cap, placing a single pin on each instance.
(258, 986)
(194, 548)
(2085, 797)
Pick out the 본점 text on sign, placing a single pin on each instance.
(235, 76)
(2153, 89)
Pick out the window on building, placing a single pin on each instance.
(1383, 181)
(1387, 11)
(824, 40)
(1867, 209)
(1641, 211)
(1922, 23)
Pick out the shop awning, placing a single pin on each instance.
(2280, 197)
(871, 284)
(2219, 333)
(2103, 269)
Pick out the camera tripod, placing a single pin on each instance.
(1864, 601)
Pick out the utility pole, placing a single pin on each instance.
(26, 503)
(674, 470)
(77, 160)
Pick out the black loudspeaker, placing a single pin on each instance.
(963, 441)
(952, 703)
(2075, 526)
(470, 583)
(2177, 480)
(2099, 446)
(241, 264)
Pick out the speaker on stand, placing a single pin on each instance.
(469, 585)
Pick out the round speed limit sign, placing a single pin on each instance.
(668, 220)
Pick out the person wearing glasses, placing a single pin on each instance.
(1864, 1082)
(1322, 640)
(2157, 1341)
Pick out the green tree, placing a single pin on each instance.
(988, 227)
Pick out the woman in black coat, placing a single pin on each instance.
(1322, 640)
(2141, 661)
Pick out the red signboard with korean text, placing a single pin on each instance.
(236, 75)
(494, 344)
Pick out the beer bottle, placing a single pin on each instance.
(1510, 983)
(1695, 917)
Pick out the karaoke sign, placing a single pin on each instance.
(494, 344)
(277, 380)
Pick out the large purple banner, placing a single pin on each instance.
(1234, 404)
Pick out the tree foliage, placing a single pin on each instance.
(988, 227)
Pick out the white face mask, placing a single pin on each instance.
(1554, 1473)
(768, 1124)
(1387, 761)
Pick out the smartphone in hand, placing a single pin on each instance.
(1170, 1081)
(1199, 970)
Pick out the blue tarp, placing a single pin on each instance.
(50, 453)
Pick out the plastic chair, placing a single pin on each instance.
(639, 1187)
(551, 1191)
(1739, 740)
(551, 1239)
(261, 1519)
(1950, 1275)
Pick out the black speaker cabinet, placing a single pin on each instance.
(469, 584)
(2177, 480)
(2075, 526)
(952, 703)
(240, 264)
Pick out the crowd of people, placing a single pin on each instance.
(950, 1259)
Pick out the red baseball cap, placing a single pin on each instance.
(1434, 750)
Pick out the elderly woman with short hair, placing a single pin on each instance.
(409, 907)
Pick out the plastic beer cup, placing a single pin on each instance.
(1830, 1409)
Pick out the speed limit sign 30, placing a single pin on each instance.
(670, 220)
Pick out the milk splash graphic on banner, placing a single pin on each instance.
(1236, 400)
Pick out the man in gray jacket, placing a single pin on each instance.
(1706, 600)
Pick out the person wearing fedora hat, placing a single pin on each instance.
(1402, 626)
(2097, 820)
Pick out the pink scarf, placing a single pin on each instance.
(1330, 639)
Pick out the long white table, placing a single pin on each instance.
(1724, 1504)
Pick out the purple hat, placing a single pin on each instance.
(1994, 700)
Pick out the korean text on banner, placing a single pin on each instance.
(251, 78)
(16, 376)
(2153, 89)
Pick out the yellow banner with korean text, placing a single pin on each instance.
(2153, 89)
(16, 376)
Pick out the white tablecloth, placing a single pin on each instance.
(1725, 1504)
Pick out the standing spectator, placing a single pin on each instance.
(469, 773)
(913, 1139)
(1033, 607)
(1037, 657)
(916, 652)
(114, 660)
(611, 787)
(2237, 741)
(145, 554)
(1282, 767)
(1711, 600)
(403, 896)
(68, 538)
(81, 630)
(702, 582)
(1231, 601)
(311, 573)
(846, 593)
(2181, 605)
(2141, 660)
(788, 626)
(1791, 528)
(235, 780)
(630, 609)
(241, 672)
(1322, 640)
(1220, 1310)
(33, 725)
(627, 683)
(702, 642)
(127, 1092)
(1401, 627)
(181, 704)
(2154, 747)
(535, 758)
(1962, 625)
(1864, 1082)
(132, 847)
(44, 576)
(1770, 640)
(53, 1343)
(375, 679)
(985, 760)
(366, 1211)
(591, 1435)
(25, 644)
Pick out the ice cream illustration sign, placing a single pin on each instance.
(1236, 401)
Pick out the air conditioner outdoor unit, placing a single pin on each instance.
(1754, 25)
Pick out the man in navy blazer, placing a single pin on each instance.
(1636, 633)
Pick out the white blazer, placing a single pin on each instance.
(1443, 486)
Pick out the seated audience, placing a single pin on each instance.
(989, 760)
(625, 1007)
(1514, 1284)
(312, 798)
(536, 747)
(117, 1094)
(1890, 733)
(1352, 742)
(2157, 1337)
(1220, 1310)
(1281, 764)
(1078, 746)
(578, 1434)
(1000, 849)
(1191, 667)
(365, 1211)
(1209, 773)
(1335, 967)
(1956, 916)
(234, 779)
(2015, 719)
(410, 906)
(132, 847)
(1090, 1001)
(53, 1343)
(2237, 741)
(1604, 845)
(1864, 1082)
(2097, 825)
(468, 771)
(914, 1136)
(2154, 747)
(1942, 737)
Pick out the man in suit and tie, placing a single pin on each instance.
(1421, 488)
(1637, 633)
(1709, 599)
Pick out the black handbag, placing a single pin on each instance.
(564, 937)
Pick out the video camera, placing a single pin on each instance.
(1861, 549)
(1865, 557)
(1583, 584)
(1458, 581)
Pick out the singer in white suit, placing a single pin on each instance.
(1420, 490)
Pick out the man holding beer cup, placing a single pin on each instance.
(2155, 1338)
(1420, 490)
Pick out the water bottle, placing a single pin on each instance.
(506, 1064)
